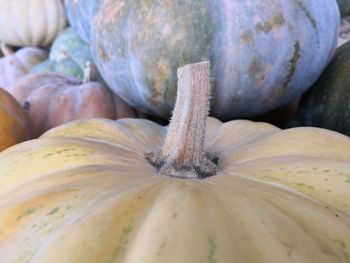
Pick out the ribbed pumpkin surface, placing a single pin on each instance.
(17, 65)
(53, 99)
(263, 53)
(83, 192)
(80, 15)
(69, 55)
(31, 22)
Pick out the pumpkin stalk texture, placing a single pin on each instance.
(89, 72)
(6, 50)
(182, 154)
(84, 193)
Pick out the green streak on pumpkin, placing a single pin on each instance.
(123, 242)
(53, 211)
(246, 37)
(48, 155)
(212, 249)
(304, 186)
(340, 244)
(26, 213)
(293, 63)
(269, 24)
(161, 247)
(307, 13)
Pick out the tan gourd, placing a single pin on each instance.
(84, 192)
(53, 99)
(18, 64)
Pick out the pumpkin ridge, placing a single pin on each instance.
(275, 185)
(132, 214)
(147, 188)
(65, 173)
(272, 198)
(311, 19)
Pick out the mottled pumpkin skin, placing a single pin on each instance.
(53, 99)
(31, 22)
(69, 55)
(80, 15)
(19, 64)
(344, 7)
(263, 53)
(327, 103)
(83, 193)
(14, 124)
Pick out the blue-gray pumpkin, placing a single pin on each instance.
(264, 53)
(80, 15)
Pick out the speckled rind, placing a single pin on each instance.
(80, 14)
(263, 53)
(83, 192)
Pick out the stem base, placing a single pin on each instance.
(206, 168)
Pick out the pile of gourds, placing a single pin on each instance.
(88, 174)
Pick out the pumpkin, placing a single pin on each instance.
(80, 14)
(53, 99)
(281, 117)
(344, 7)
(14, 125)
(31, 22)
(84, 192)
(138, 45)
(327, 103)
(69, 55)
(344, 34)
(17, 64)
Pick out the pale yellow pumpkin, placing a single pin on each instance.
(84, 192)
(31, 22)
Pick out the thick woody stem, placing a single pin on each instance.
(6, 50)
(182, 154)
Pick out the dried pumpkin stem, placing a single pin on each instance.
(89, 72)
(182, 154)
(6, 50)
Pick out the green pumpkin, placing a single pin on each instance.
(69, 55)
(263, 53)
(327, 103)
(344, 7)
